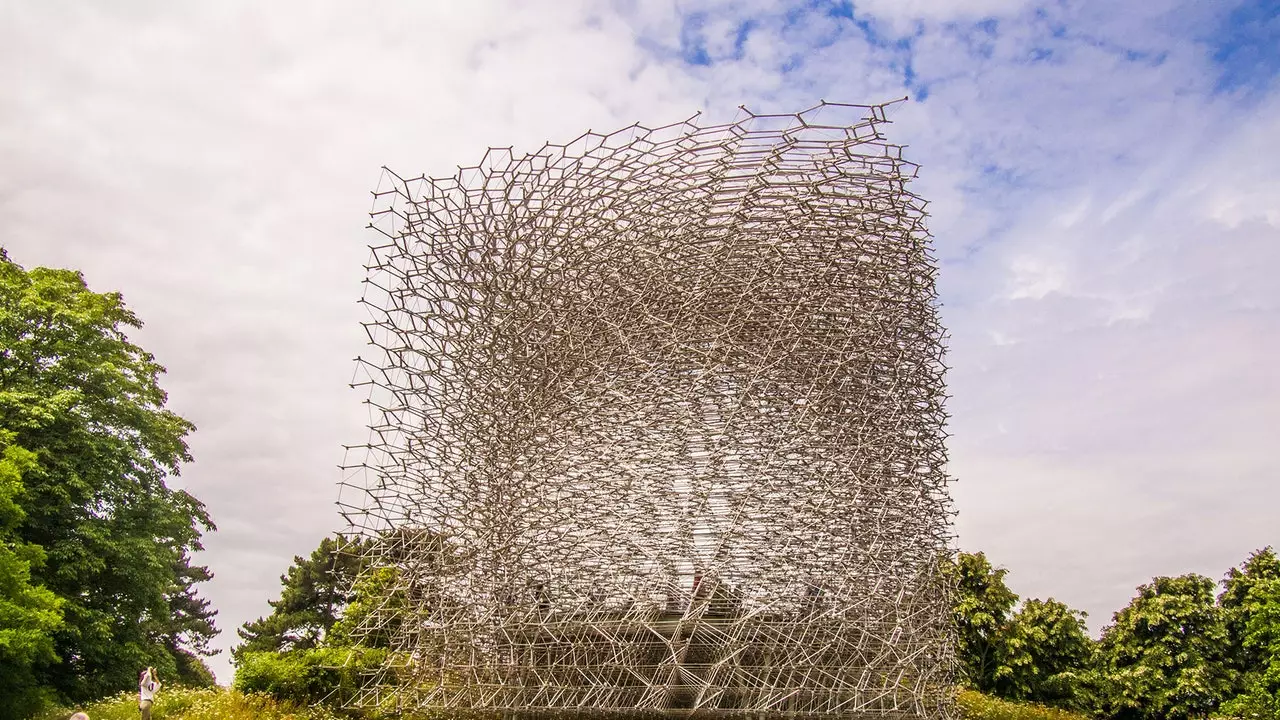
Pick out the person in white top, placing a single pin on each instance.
(148, 686)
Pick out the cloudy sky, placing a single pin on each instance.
(1105, 194)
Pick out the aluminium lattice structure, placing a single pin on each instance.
(657, 428)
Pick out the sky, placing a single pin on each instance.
(1104, 187)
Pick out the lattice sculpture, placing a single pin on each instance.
(657, 428)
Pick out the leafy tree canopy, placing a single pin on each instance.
(315, 591)
(1261, 566)
(114, 539)
(29, 613)
(377, 607)
(1163, 657)
(982, 608)
(1262, 630)
(1251, 602)
(1043, 653)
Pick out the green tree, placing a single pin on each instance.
(315, 591)
(87, 403)
(379, 598)
(1044, 653)
(29, 613)
(376, 610)
(1261, 566)
(191, 624)
(1164, 655)
(1260, 641)
(983, 604)
(329, 631)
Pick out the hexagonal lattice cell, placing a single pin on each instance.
(658, 429)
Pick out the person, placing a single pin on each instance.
(148, 686)
(80, 716)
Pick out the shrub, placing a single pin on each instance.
(330, 676)
(197, 704)
(976, 706)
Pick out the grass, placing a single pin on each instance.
(225, 704)
(196, 704)
(976, 706)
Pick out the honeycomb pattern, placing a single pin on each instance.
(657, 428)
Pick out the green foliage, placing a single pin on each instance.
(1043, 654)
(1238, 610)
(331, 629)
(29, 613)
(976, 706)
(198, 704)
(190, 625)
(1262, 610)
(1164, 656)
(1260, 699)
(315, 592)
(1260, 641)
(192, 671)
(983, 603)
(376, 607)
(330, 676)
(100, 528)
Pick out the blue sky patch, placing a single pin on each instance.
(1246, 46)
(693, 45)
(693, 41)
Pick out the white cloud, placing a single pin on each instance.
(213, 162)
(901, 12)
(1141, 390)
(1035, 278)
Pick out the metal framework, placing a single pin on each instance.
(657, 428)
